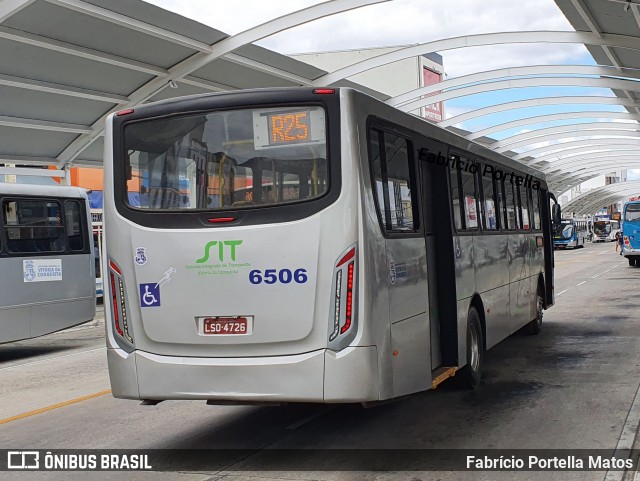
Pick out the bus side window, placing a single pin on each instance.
(470, 198)
(75, 236)
(394, 181)
(501, 204)
(33, 226)
(511, 220)
(465, 197)
(490, 210)
(535, 207)
(455, 197)
(524, 205)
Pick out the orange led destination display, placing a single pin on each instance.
(289, 127)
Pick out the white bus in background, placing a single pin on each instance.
(605, 230)
(312, 245)
(46, 258)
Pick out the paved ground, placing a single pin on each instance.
(574, 386)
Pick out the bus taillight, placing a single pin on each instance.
(343, 315)
(626, 240)
(114, 303)
(119, 305)
(349, 309)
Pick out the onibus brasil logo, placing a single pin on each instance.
(219, 259)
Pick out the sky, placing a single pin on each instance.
(402, 22)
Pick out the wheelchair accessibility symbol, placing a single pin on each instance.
(149, 295)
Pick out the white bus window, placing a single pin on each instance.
(470, 196)
(75, 233)
(510, 206)
(33, 226)
(535, 205)
(524, 206)
(455, 197)
(490, 214)
(229, 160)
(399, 182)
(394, 181)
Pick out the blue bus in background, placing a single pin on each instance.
(631, 232)
(570, 233)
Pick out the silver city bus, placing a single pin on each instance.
(311, 245)
(47, 282)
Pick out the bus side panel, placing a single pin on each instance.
(496, 312)
(15, 322)
(537, 267)
(492, 281)
(519, 288)
(463, 249)
(374, 313)
(465, 266)
(61, 315)
(408, 307)
(40, 307)
(411, 355)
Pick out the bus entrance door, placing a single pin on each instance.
(438, 239)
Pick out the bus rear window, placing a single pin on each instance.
(227, 159)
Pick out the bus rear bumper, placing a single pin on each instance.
(627, 252)
(319, 376)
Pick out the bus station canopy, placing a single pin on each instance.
(66, 64)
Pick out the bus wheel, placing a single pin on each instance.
(632, 261)
(535, 326)
(472, 372)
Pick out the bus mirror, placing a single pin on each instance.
(556, 214)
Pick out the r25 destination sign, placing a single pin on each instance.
(288, 127)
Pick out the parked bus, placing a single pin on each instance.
(376, 255)
(46, 253)
(605, 230)
(631, 232)
(570, 233)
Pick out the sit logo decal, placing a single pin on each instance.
(219, 259)
(221, 244)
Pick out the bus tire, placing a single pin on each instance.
(471, 374)
(632, 261)
(535, 326)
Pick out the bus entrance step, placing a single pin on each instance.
(441, 374)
